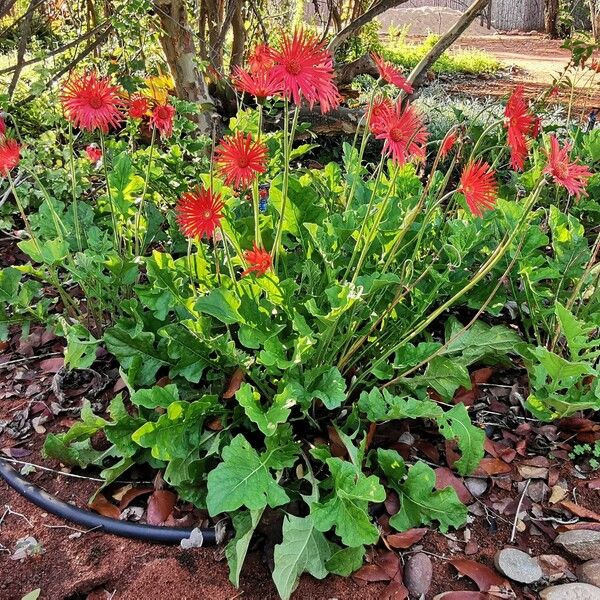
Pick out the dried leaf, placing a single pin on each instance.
(52, 365)
(371, 573)
(103, 506)
(492, 466)
(580, 511)
(160, 506)
(390, 564)
(444, 477)
(483, 576)
(406, 539)
(558, 494)
(394, 591)
(130, 495)
(234, 384)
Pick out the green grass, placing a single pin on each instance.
(471, 61)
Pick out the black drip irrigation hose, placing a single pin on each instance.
(85, 518)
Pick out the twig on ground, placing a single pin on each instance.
(28, 358)
(72, 528)
(9, 511)
(514, 527)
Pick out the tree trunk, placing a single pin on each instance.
(24, 33)
(419, 73)
(178, 45)
(595, 18)
(239, 37)
(551, 18)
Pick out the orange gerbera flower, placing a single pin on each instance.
(199, 213)
(239, 158)
(479, 187)
(138, 107)
(258, 259)
(93, 153)
(91, 102)
(261, 58)
(448, 143)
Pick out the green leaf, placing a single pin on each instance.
(222, 304)
(80, 352)
(391, 463)
(330, 388)
(267, 418)
(243, 479)
(124, 184)
(344, 561)
(302, 550)
(383, 406)
(9, 284)
(346, 509)
(420, 504)
(456, 424)
(577, 333)
(51, 252)
(33, 595)
(156, 396)
(244, 525)
(445, 376)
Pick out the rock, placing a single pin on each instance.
(589, 572)
(583, 543)
(518, 565)
(571, 591)
(537, 491)
(529, 472)
(476, 486)
(417, 574)
(554, 567)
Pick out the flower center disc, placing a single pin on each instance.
(397, 135)
(243, 162)
(293, 67)
(96, 102)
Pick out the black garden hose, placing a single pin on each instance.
(86, 518)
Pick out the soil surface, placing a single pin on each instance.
(71, 564)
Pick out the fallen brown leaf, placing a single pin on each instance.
(444, 477)
(371, 573)
(580, 511)
(160, 506)
(234, 384)
(406, 539)
(492, 466)
(483, 576)
(130, 495)
(462, 596)
(103, 506)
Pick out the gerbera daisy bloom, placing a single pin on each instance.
(304, 69)
(261, 58)
(93, 153)
(391, 74)
(91, 102)
(10, 153)
(259, 84)
(519, 124)
(573, 177)
(199, 213)
(162, 118)
(479, 187)
(239, 159)
(138, 107)
(403, 132)
(536, 127)
(258, 259)
(448, 143)
(381, 110)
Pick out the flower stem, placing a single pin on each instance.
(74, 190)
(116, 236)
(140, 211)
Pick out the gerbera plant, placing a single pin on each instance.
(270, 349)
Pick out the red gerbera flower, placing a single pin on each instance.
(304, 68)
(479, 187)
(239, 159)
(10, 153)
(162, 118)
(572, 176)
(448, 143)
(199, 213)
(261, 58)
(381, 111)
(260, 84)
(402, 130)
(93, 152)
(138, 107)
(389, 73)
(258, 259)
(519, 124)
(91, 102)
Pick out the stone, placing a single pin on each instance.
(583, 543)
(589, 572)
(571, 591)
(417, 574)
(537, 491)
(530, 472)
(554, 567)
(518, 565)
(476, 486)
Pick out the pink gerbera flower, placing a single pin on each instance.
(93, 153)
(261, 58)
(448, 143)
(402, 130)
(519, 124)
(479, 187)
(239, 159)
(304, 69)
(260, 84)
(10, 153)
(138, 107)
(91, 102)
(391, 74)
(162, 119)
(572, 176)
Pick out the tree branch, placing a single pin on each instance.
(25, 34)
(355, 25)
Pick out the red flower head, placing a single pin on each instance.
(381, 111)
(162, 118)
(519, 124)
(91, 102)
(304, 68)
(403, 132)
(595, 65)
(261, 58)
(536, 127)
(239, 159)
(199, 213)
(448, 143)
(93, 152)
(258, 259)
(260, 84)
(573, 177)
(389, 73)
(10, 153)
(138, 107)
(479, 187)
